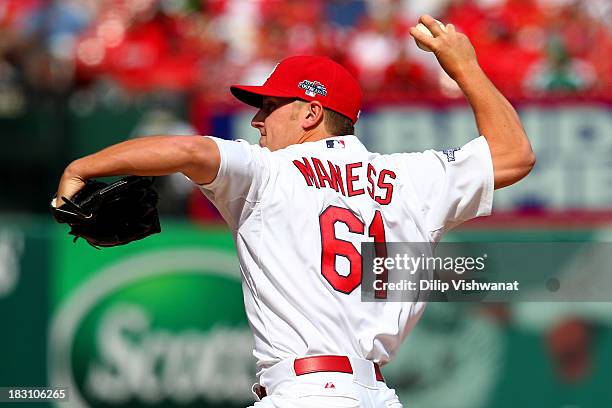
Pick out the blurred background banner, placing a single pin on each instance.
(161, 322)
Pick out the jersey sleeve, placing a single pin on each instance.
(241, 180)
(453, 185)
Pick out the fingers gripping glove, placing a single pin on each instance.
(107, 215)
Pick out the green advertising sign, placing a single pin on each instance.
(161, 323)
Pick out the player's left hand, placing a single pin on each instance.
(453, 49)
(69, 184)
(107, 215)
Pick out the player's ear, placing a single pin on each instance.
(313, 115)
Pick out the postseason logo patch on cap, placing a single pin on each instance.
(313, 88)
(335, 144)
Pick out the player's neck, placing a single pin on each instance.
(313, 135)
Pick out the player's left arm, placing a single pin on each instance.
(496, 119)
(196, 157)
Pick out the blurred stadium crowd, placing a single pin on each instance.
(528, 47)
(78, 75)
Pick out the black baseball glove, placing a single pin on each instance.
(107, 215)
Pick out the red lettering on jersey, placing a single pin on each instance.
(317, 174)
(377, 231)
(332, 247)
(336, 177)
(350, 178)
(306, 170)
(321, 173)
(371, 170)
(385, 186)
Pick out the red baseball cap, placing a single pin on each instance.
(310, 78)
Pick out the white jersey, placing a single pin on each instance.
(298, 217)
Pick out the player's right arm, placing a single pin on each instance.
(496, 119)
(196, 157)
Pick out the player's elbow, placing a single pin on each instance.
(529, 161)
(526, 159)
(515, 165)
(202, 158)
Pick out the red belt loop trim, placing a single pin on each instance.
(318, 364)
(379, 376)
(261, 392)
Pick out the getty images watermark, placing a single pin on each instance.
(487, 272)
(412, 265)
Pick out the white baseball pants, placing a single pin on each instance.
(325, 389)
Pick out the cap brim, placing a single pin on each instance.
(253, 95)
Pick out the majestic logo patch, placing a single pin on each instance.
(312, 88)
(450, 153)
(335, 144)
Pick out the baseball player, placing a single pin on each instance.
(301, 202)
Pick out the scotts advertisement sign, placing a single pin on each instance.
(157, 328)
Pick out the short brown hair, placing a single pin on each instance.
(337, 124)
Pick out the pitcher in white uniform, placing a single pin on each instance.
(301, 203)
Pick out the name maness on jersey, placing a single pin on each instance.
(343, 179)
